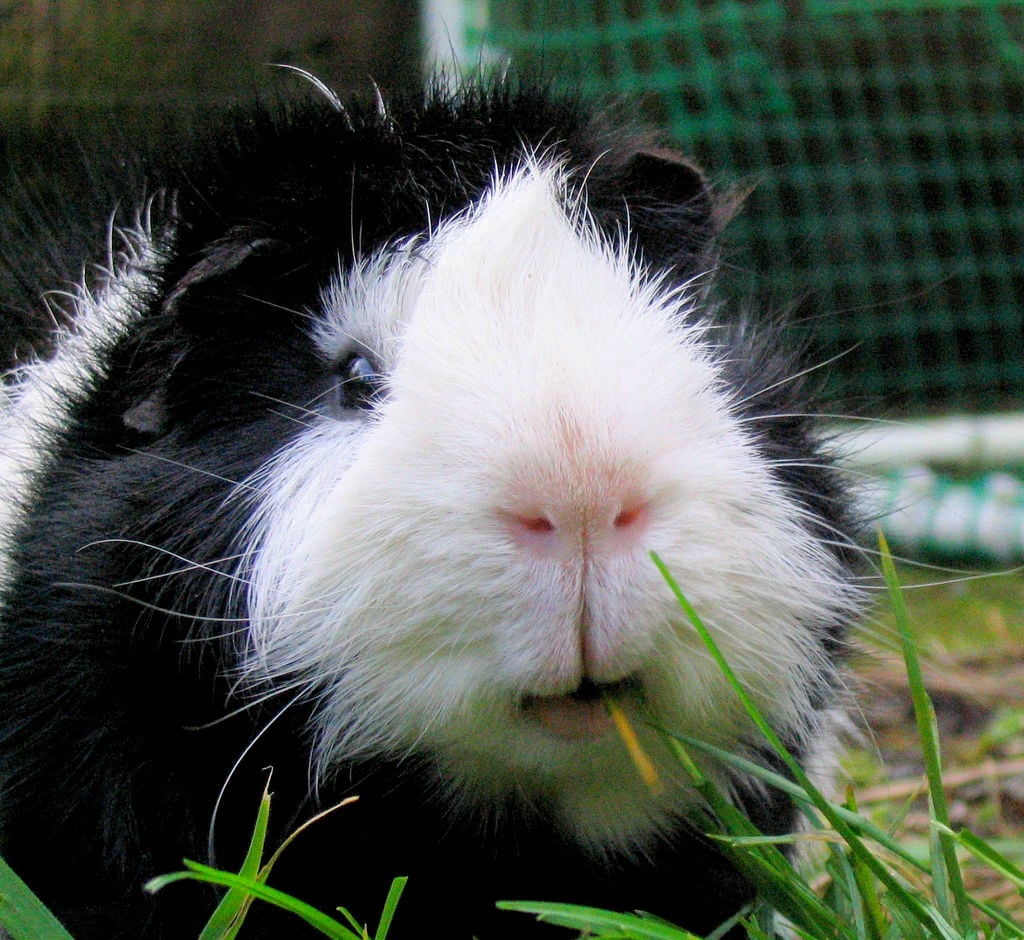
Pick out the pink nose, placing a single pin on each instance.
(608, 526)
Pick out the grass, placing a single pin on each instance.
(970, 638)
(908, 859)
(250, 884)
(23, 915)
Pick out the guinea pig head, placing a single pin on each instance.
(454, 554)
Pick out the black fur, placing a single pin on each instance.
(117, 720)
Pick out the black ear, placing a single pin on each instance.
(220, 258)
(145, 414)
(673, 215)
(662, 179)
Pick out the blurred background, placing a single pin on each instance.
(882, 142)
(145, 54)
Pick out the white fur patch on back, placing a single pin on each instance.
(36, 401)
(480, 541)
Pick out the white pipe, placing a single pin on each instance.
(991, 440)
(445, 27)
(443, 31)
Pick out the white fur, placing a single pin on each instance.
(36, 401)
(534, 370)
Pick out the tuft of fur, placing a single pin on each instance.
(350, 465)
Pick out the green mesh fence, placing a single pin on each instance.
(886, 141)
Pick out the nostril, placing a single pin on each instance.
(629, 517)
(535, 529)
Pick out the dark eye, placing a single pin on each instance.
(359, 383)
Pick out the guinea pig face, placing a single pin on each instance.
(453, 557)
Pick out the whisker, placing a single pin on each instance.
(812, 416)
(302, 423)
(185, 466)
(318, 84)
(302, 409)
(145, 605)
(188, 566)
(241, 757)
(294, 311)
(786, 380)
(188, 562)
(254, 703)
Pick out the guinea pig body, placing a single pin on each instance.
(349, 465)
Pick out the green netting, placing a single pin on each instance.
(887, 143)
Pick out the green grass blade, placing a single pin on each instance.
(756, 933)
(845, 899)
(797, 793)
(870, 830)
(599, 922)
(353, 921)
(390, 903)
(987, 853)
(866, 906)
(719, 932)
(783, 888)
(758, 858)
(954, 901)
(864, 903)
(197, 872)
(712, 647)
(228, 917)
(254, 855)
(22, 914)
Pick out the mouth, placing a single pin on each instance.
(582, 713)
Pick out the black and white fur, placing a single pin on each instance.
(349, 465)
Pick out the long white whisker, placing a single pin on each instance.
(185, 466)
(792, 377)
(187, 566)
(276, 692)
(234, 768)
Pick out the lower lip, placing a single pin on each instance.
(570, 718)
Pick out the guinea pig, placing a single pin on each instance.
(347, 459)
